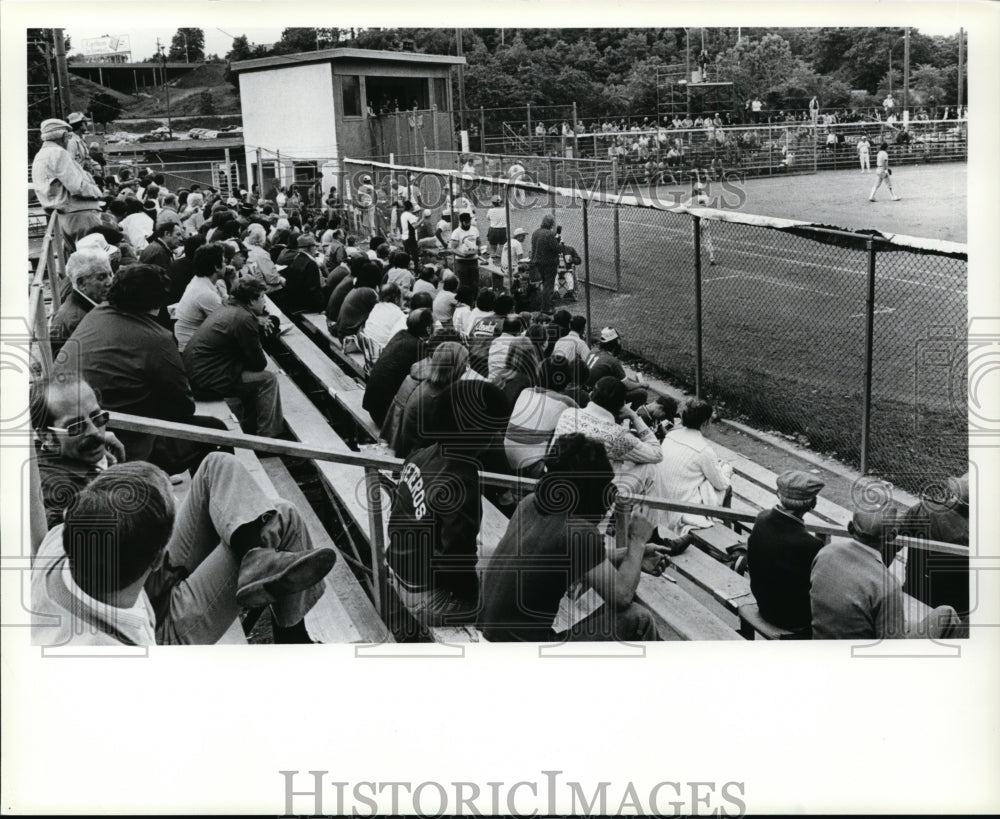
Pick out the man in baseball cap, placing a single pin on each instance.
(62, 185)
(853, 595)
(780, 553)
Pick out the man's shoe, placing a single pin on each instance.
(266, 575)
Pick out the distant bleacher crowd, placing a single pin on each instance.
(474, 361)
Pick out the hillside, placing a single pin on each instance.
(185, 95)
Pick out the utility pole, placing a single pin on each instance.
(166, 85)
(62, 73)
(961, 63)
(906, 69)
(461, 80)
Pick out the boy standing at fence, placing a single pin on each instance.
(883, 172)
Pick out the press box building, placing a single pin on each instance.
(303, 113)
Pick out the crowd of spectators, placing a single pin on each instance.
(461, 379)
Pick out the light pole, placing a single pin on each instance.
(687, 76)
(906, 65)
(181, 32)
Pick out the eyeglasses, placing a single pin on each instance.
(99, 419)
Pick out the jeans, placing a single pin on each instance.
(194, 590)
(634, 624)
(260, 395)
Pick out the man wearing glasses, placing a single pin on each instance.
(74, 443)
(226, 546)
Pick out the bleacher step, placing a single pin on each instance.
(344, 614)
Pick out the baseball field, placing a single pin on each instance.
(784, 316)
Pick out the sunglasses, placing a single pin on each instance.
(98, 418)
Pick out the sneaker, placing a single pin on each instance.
(895, 199)
(871, 198)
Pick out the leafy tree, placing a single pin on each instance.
(187, 45)
(240, 51)
(757, 66)
(104, 107)
(294, 40)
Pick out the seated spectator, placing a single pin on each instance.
(446, 301)
(552, 543)
(225, 359)
(204, 293)
(420, 371)
(400, 273)
(359, 301)
(512, 249)
(428, 281)
(89, 273)
(605, 361)
(634, 456)
(191, 216)
(512, 329)
(402, 352)
(168, 211)
(936, 578)
(73, 443)
(780, 554)
(437, 511)
(519, 371)
(384, 316)
(303, 290)
(340, 291)
(572, 345)
(168, 575)
(181, 270)
(448, 364)
(854, 596)
(692, 472)
(138, 225)
(133, 365)
(659, 414)
(484, 330)
(259, 259)
(534, 416)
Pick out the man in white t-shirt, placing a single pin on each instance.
(465, 238)
(512, 248)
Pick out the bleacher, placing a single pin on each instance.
(700, 597)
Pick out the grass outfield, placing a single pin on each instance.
(784, 317)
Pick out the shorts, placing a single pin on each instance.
(496, 235)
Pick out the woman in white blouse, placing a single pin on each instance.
(691, 471)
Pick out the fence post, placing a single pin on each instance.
(530, 134)
(482, 129)
(552, 186)
(260, 172)
(510, 238)
(586, 263)
(616, 226)
(373, 489)
(866, 403)
(697, 308)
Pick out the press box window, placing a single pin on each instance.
(352, 95)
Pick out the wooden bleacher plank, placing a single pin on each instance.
(354, 363)
(726, 587)
(344, 614)
(752, 472)
(677, 612)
